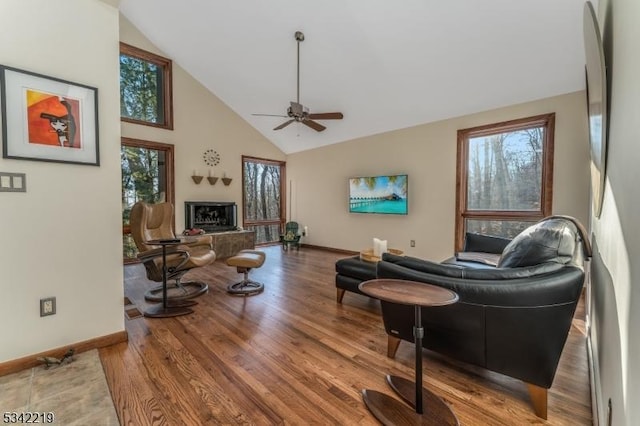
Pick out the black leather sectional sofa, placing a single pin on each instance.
(512, 318)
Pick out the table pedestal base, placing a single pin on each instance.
(390, 411)
(433, 405)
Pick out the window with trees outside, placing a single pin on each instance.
(263, 197)
(145, 88)
(147, 175)
(504, 177)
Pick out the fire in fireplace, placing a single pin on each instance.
(212, 216)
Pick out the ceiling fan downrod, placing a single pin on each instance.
(299, 37)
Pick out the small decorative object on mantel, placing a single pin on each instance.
(193, 231)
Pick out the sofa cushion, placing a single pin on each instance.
(356, 268)
(552, 240)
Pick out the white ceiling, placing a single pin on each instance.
(384, 64)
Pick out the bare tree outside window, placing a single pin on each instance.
(263, 185)
(504, 176)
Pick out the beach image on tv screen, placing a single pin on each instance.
(378, 194)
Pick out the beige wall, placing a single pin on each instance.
(61, 238)
(615, 268)
(201, 122)
(319, 179)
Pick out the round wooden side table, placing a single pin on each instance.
(424, 407)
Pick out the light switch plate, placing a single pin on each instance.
(13, 182)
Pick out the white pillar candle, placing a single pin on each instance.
(376, 247)
(383, 247)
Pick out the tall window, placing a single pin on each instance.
(145, 88)
(263, 196)
(147, 175)
(504, 176)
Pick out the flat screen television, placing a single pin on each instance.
(379, 194)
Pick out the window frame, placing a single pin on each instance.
(167, 85)
(547, 121)
(283, 196)
(170, 193)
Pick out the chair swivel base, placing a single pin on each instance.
(245, 288)
(159, 311)
(184, 291)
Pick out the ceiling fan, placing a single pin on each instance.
(300, 113)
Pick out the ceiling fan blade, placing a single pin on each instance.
(271, 115)
(327, 116)
(315, 126)
(283, 125)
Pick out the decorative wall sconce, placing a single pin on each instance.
(197, 179)
(212, 180)
(226, 180)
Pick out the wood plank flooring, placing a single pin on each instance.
(292, 355)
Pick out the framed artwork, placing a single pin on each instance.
(48, 119)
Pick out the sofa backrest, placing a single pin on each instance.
(552, 240)
(474, 242)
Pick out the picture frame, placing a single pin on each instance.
(596, 85)
(48, 119)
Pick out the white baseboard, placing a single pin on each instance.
(594, 380)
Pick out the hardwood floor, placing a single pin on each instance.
(292, 355)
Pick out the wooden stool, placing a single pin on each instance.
(244, 261)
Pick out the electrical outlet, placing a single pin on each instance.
(47, 306)
(412, 243)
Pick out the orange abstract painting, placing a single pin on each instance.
(53, 120)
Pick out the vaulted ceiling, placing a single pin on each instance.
(384, 64)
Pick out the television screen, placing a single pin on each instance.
(378, 194)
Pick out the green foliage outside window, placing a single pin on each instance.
(141, 181)
(140, 90)
(145, 88)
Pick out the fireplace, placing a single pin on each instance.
(211, 216)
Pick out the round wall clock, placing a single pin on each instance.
(211, 157)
